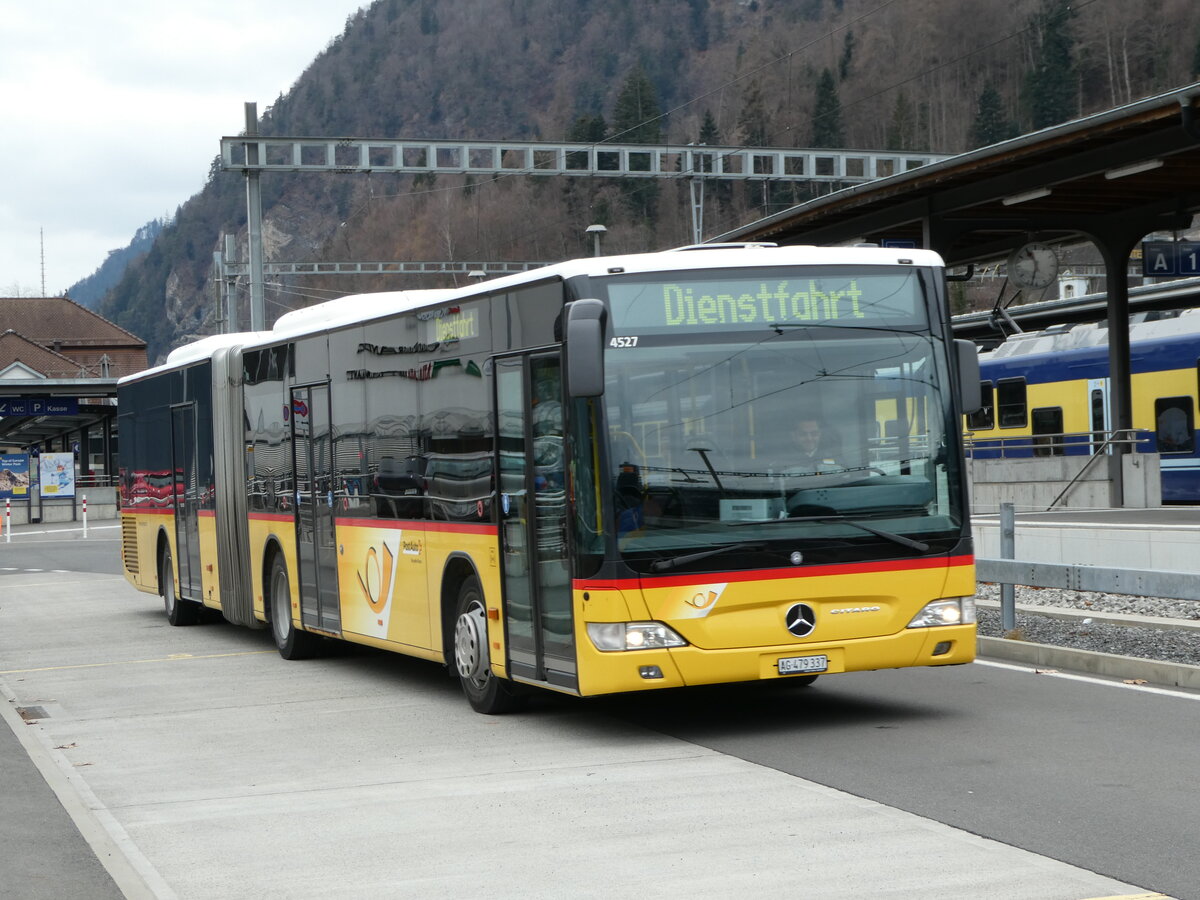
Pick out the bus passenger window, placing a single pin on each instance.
(1173, 425)
(1047, 431)
(1010, 402)
(983, 418)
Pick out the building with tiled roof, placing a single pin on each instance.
(22, 358)
(59, 364)
(97, 347)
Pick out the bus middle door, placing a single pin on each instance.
(533, 519)
(185, 497)
(315, 505)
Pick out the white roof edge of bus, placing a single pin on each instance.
(355, 308)
(674, 260)
(198, 350)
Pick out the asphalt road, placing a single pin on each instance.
(1098, 774)
(62, 548)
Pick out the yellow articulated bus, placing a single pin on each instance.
(612, 474)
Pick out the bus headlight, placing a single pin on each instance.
(610, 636)
(955, 611)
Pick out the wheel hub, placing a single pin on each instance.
(470, 646)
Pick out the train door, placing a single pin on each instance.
(315, 541)
(533, 519)
(185, 495)
(1098, 417)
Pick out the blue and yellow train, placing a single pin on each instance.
(1047, 393)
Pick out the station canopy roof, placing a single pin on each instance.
(1114, 176)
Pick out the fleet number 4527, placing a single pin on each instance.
(623, 342)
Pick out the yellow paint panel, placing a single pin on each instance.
(737, 630)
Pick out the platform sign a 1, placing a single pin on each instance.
(1189, 257)
(1170, 258)
(57, 474)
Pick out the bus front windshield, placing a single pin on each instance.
(744, 417)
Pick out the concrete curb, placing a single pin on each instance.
(1093, 663)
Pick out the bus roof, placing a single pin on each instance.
(355, 308)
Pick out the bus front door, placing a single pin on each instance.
(533, 519)
(315, 503)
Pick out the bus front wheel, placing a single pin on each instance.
(485, 692)
(291, 642)
(179, 611)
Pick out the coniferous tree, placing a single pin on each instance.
(753, 124)
(990, 125)
(588, 130)
(902, 129)
(827, 114)
(847, 56)
(637, 119)
(1049, 86)
(720, 190)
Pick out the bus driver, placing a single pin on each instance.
(813, 452)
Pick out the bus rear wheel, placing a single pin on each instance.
(290, 641)
(179, 611)
(485, 692)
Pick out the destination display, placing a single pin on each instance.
(797, 298)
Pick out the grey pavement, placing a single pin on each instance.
(44, 855)
(197, 764)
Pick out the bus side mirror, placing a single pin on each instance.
(969, 393)
(585, 348)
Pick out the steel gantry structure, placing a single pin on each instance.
(253, 154)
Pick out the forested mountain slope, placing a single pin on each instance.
(937, 75)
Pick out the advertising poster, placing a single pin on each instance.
(14, 476)
(57, 472)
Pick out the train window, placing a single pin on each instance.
(1010, 402)
(1047, 431)
(1173, 425)
(985, 417)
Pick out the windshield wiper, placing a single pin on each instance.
(919, 546)
(662, 565)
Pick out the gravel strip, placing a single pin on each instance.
(1146, 643)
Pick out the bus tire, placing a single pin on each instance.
(799, 680)
(179, 611)
(485, 692)
(289, 641)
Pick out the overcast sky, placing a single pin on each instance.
(111, 113)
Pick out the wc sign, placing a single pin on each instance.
(1166, 258)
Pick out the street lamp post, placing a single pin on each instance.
(595, 231)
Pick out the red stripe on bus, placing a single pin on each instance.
(890, 565)
(271, 517)
(422, 525)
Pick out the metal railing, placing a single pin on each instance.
(1009, 572)
(1045, 445)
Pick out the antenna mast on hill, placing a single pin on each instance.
(42, 242)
